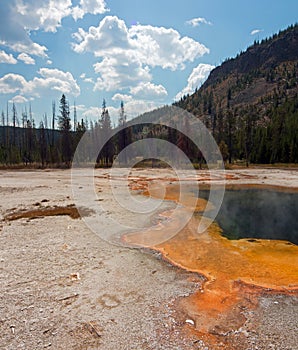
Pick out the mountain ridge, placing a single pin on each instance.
(267, 53)
(252, 100)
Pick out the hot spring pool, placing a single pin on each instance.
(258, 213)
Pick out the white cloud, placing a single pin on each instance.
(55, 80)
(30, 47)
(111, 36)
(256, 31)
(49, 62)
(94, 7)
(19, 99)
(153, 46)
(43, 14)
(195, 22)
(11, 83)
(51, 81)
(122, 97)
(134, 108)
(77, 13)
(48, 14)
(79, 107)
(128, 54)
(148, 91)
(92, 113)
(19, 17)
(26, 58)
(85, 79)
(196, 78)
(164, 47)
(89, 80)
(16, 22)
(7, 58)
(120, 72)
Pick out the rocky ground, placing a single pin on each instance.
(64, 287)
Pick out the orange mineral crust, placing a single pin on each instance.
(236, 271)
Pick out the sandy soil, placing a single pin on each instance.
(64, 287)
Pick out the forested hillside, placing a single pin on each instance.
(250, 103)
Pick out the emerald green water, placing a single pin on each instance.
(258, 213)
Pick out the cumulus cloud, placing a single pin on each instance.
(43, 14)
(120, 72)
(94, 7)
(89, 80)
(48, 14)
(111, 36)
(196, 78)
(195, 22)
(164, 47)
(148, 91)
(256, 31)
(128, 54)
(50, 80)
(153, 46)
(122, 97)
(55, 80)
(85, 79)
(92, 113)
(7, 58)
(29, 48)
(11, 83)
(14, 34)
(26, 58)
(134, 108)
(18, 99)
(20, 17)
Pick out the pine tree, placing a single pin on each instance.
(14, 122)
(123, 135)
(65, 127)
(107, 151)
(42, 144)
(74, 117)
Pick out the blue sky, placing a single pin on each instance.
(146, 53)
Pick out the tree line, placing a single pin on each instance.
(262, 133)
(249, 123)
(252, 133)
(26, 144)
(45, 146)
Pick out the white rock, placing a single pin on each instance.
(190, 322)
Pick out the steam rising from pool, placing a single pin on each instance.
(258, 213)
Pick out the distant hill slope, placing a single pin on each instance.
(261, 57)
(250, 102)
(265, 68)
